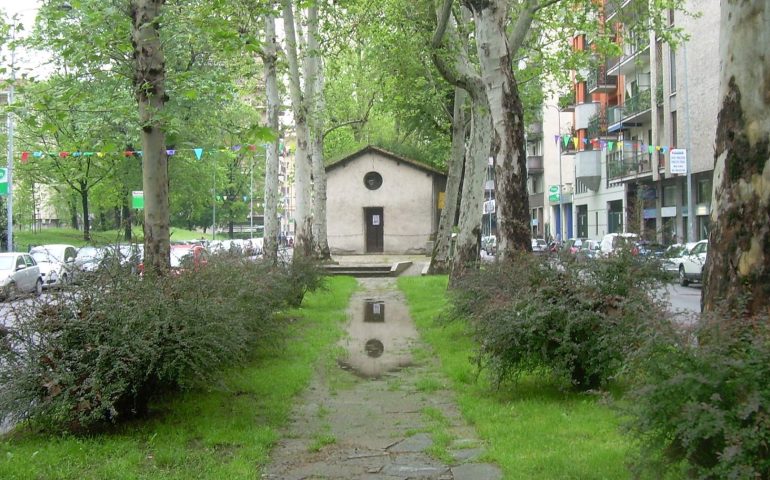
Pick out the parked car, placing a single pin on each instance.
(650, 249)
(672, 257)
(88, 259)
(572, 245)
(19, 273)
(589, 249)
(539, 245)
(56, 262)
(612, 242)
(691, 263)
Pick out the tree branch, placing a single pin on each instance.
(524, 22)
(443, 20)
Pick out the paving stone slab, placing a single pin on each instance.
(416, 443)
(477, 471)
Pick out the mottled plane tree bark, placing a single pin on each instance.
(269, 53)
(738, 264)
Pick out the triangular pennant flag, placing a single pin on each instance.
(603, 144)
(556, 138)
(219, 197)
(128, 153)
(565, 138)
(198, 152)
(657, 148)
(88, 154)
(170, 152)
(100, 154)
(663, 149)
(650, 149)
(64, 154)
(139, 152)
(75, 154)
(252, 147)
(576, 141)
(610, 144)
(235, 148)
(37, 154)
(585, 141)
(24, 157)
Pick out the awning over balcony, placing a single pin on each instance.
(588, 168)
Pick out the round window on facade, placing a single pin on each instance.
(373, 180)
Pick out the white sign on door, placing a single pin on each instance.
(678, 160)
(375, 220)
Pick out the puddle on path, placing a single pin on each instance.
(378, 343)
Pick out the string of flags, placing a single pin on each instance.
(597, 143)
(25, 155)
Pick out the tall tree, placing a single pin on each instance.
(149, 83)
(303, 241)
(738, 263)
(269, 55)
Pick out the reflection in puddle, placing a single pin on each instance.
(375, 346)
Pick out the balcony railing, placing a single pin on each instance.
(625, 164)
(597, 124)
(638, 103)
(599, 81)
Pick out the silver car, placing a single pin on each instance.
(56, 262)
(19, 273)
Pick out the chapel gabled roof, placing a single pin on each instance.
(385, 153)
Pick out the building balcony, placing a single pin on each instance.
(623, 165)
(636, 53)
(583, 114)
(535, 129)
(635, 112)
(588, 168)
(534, 164)
(599, 81)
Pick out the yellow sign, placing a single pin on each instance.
(441, 200)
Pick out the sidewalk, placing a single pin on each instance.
(383, 412)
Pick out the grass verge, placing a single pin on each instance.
(222, 432)
(46, 236)
(532, 429)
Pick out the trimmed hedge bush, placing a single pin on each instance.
(99, 352)
(580, 321)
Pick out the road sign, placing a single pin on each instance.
(3, 181)
(137, 199)
(678, 159)
(553, 189)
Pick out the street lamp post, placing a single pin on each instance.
(560, 225)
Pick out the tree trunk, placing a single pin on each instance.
(127, 219)
(738, 263)
(440, 262)
(269, 59)
(84, 204)
(512, 199)
(303, 242)
(149, 84)
(315, 97)
(469, 236)
(73, 206)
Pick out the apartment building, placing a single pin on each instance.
(629, 112)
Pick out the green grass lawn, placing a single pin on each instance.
(221, 432)
(70, 236)
(532, 429)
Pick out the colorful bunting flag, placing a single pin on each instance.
(24, 157)
(198, 153)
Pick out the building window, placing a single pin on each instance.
(674, 129)
(373, 180)
(672, 69)
(703, 194)
(669, 195)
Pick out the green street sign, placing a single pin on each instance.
(137, 199)
(553, 197)
(553, 189)
(3, 181)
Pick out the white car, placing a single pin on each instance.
(612, 242)
(19, 273)
(56, 262)
(691, 263)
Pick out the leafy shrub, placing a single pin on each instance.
(702, 408)
(579, 320)
(98, 353)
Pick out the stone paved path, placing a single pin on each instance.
(384, 413)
